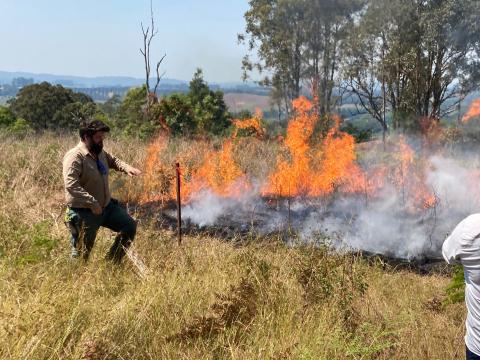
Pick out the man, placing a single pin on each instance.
(463, 247)
(85, 173)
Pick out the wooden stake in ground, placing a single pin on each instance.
(179, 205)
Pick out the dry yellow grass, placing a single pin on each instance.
(208, 299)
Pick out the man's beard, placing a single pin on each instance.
(96, 148)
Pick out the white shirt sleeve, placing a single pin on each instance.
(463, 244)
(451, 250)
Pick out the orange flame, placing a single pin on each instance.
(473, 111)
(405, 157)
(313, 171)
(291, 175)
(409, 179)
(219, 172)
(306, 166)
(253, 124)
(155, 183)
(337, 162)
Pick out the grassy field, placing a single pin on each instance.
(206, 299)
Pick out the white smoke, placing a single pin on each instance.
(453, 182)
(378, 225)
(206, 208)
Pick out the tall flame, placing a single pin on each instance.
(312, 170)
(156, 185)
(337, 162)
(291, 175)
(306, 165)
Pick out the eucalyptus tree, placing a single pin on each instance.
(414, 58)
(296, 45)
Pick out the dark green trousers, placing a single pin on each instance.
(84, 226)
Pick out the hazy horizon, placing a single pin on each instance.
(96, 39)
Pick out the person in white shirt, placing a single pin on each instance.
(463, 247)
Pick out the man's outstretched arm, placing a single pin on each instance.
(118, 165)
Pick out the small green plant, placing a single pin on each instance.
(455, 291)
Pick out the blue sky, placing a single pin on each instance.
(102, 37)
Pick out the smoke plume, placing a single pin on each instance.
(380, 223)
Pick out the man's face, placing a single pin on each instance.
(95, 142)
(98, 137)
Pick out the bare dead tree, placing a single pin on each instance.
(148, 35)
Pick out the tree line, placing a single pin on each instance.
(412, 59)
(43, 106)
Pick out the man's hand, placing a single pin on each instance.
(131, 171)
(97, 210)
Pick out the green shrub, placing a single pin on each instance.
(7, 118)
(20, 127)
(360, 135)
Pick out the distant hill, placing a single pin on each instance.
(6, 77)
(79, 82)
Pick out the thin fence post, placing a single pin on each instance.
(179, 206)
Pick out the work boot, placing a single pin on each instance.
(117, 251)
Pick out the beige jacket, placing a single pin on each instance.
(85, 186)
